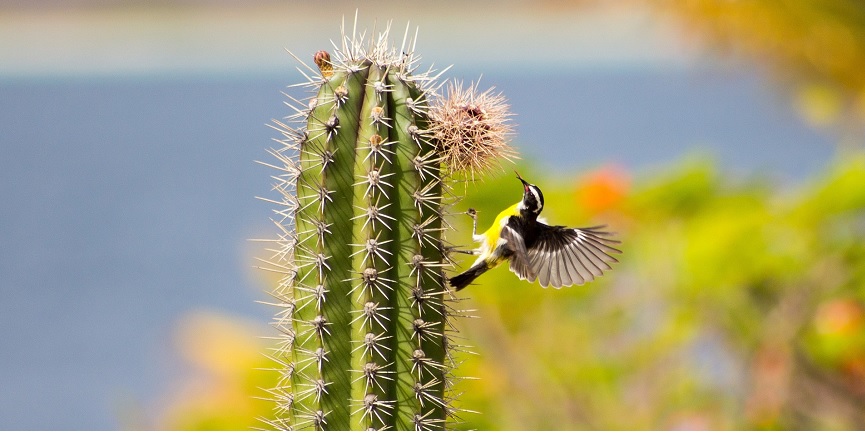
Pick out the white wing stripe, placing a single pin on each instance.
(601, 248)
(563, 257)
(597, 261)
(577, 253)
(594, 269)
(573, 271)
(556, 264)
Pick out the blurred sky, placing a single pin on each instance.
(130, 129)
(223, 37)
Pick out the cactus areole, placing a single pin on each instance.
(365, 333)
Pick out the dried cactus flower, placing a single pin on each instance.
(471, 129)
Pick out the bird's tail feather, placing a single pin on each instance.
(462, 280)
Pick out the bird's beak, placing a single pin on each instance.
(525, 184)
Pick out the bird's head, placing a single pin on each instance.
(533, 198)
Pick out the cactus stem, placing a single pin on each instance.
(305, 235)
(372, 343)
(317, 156)
(374, 181)
(416, 107)
(307, 333)
(371, 373)
(377, 149)
(427, 165)
(372, 406)
(340, 95)
(320, 265)
(371, 312)
(372, 248)
(315, 388)
(319, 325)
(424, 234)
(417, 135)
(424, 365)
(425, 331)
(424, 422)
(326, 158)
(317, 294)
(427, 197)
(317, 357)
(372, 213)
(425, 393)
(419, 265)
(286, 371)
(332, 127)
(371, 281)
(380, 88)
(321, 228)
(314, 418)
(377, 117)
(320, 195)
(420, 299)
(363, 186)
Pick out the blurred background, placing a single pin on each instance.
(722, 140)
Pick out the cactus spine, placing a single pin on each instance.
(363, 301)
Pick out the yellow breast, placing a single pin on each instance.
(491, 236)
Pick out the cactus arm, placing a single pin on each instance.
(373, 261)
(324, 192)
(419, 339)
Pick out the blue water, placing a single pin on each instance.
(127, 202)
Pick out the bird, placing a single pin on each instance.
(555, 256)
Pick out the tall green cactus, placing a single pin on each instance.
(364, 322)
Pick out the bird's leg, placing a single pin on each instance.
(474, 214)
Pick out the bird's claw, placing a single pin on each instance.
(474, 214)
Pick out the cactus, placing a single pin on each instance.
(365, 336)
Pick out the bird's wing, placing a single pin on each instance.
(519, 262)
(564, 256)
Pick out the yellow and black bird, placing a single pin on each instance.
(554, 255)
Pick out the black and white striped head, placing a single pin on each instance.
(533, 199)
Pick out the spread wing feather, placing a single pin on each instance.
(519, 262)
(563, 256)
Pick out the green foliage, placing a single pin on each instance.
(744, 309)
(737, 305)
(815, 46)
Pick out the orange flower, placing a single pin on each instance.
(839, 317)
(603, 189)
